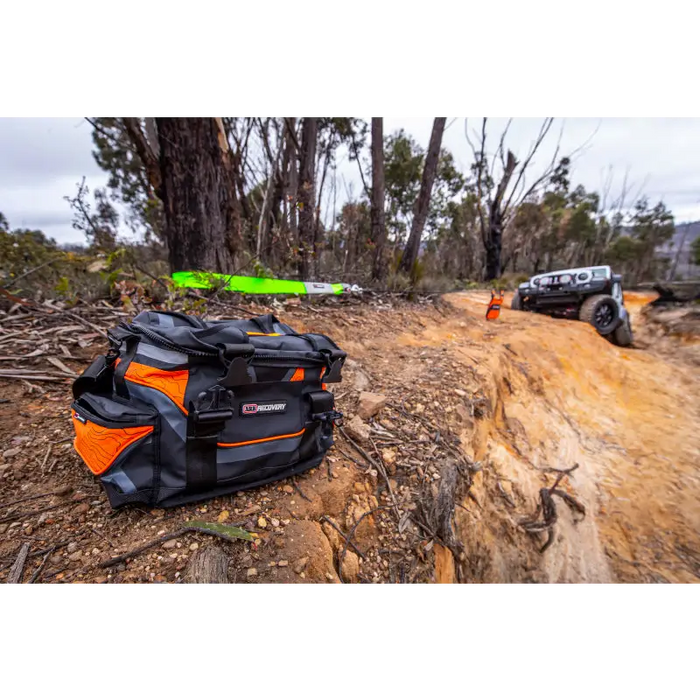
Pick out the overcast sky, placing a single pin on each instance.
(42, 160)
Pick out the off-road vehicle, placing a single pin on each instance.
(590, 294)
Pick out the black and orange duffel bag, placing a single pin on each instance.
(182, 409)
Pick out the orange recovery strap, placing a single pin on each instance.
(494, 309)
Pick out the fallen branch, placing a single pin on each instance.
(41, 566)
(360, 553)
(28, 514)
(59, 492)
(15, 575)
(548, 510)
(205, 528)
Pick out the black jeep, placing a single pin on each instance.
(590, 294)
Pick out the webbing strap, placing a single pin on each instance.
(122, 368)
(205, 421)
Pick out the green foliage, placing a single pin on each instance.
(695, 249)
(127, 183)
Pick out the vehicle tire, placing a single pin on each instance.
(601, 312)
(516, 303)
(623, 335)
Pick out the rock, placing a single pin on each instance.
(350, 567)
(283, 563)
(332, 535)
(7, 454)
(262, 523)
(28, 530)
(370, 404)
(194, 547)
(3, 527)
(75, 556)
(460, 392)
(56, 559)
(81, 509)
(300, 564)
(170, 544)
(251, 572)
(275, 522)
(357, 430)
(287, 489)
(250, 510)
(389, 456)
(72, 547)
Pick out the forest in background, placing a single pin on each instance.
(263, 196)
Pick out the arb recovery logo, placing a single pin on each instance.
(257, 409)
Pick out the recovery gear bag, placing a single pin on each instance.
(181, 409)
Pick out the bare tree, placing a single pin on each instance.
(377, 212)
(423, 203)
(307, 198)
(498, 200)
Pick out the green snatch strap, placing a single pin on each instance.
(253, 285)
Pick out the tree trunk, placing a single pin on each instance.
(377, 212)
(307, 198)
(423, 204)
(196, 192)
(494, 243)
(208, 565)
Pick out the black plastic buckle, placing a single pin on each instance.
(327, 417)
(213, 408)
(334, 365)
(238, 372)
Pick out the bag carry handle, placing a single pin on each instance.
(266, 323)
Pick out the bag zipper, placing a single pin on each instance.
(291, 356)
(90, 414)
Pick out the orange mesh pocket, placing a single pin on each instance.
(99, 446)
(171, 383)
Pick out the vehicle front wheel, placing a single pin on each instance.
(516, 303)
(623, 335)
(601, 311)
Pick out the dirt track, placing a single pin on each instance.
(524, 394)
(628, 417)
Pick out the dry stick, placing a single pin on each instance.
(298, 488)
(341, 559)
(46, 458)
(352, 459)
(344, 536)
(377, 466)
(41, 566)
(154, 543)
(17, 570)
(84, 322)
(19, 516)
(34, 377)
(58, 492)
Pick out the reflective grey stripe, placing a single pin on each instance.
(121, 480)
(164, 320)
(167, 409)
(318, 288)
(174, 358)
(226, 455)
